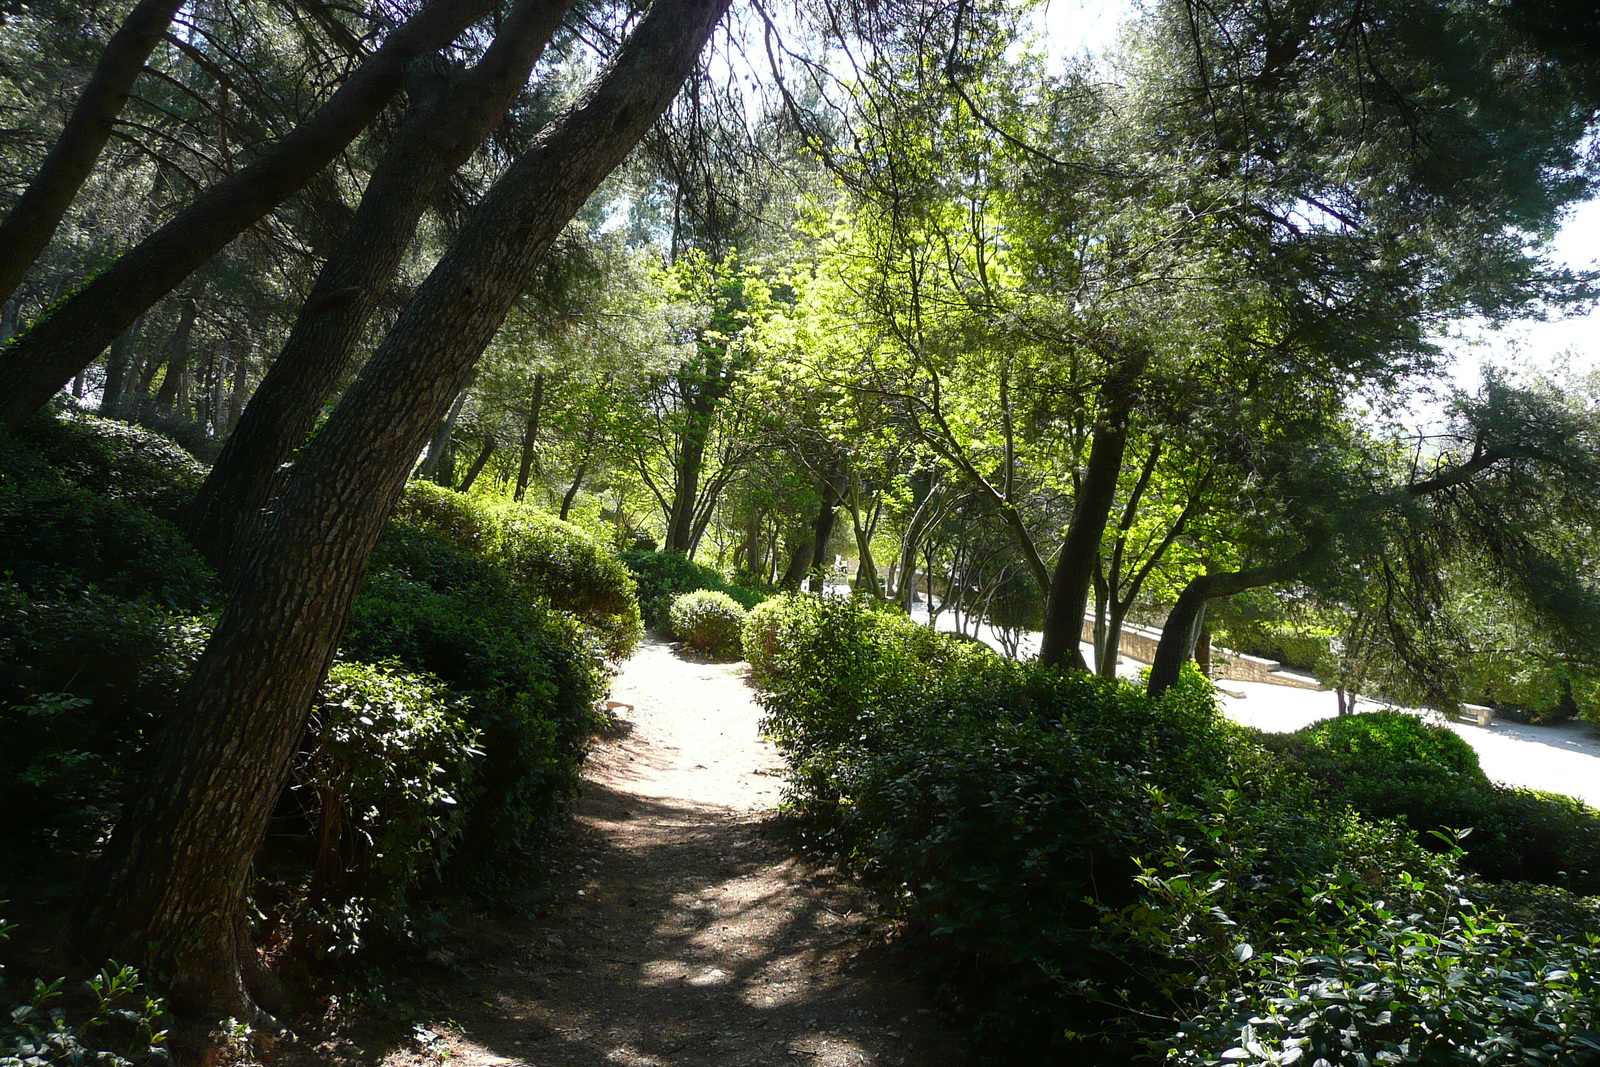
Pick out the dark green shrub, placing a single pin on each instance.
(388, 769)
(1389, 764)
(665, 576)
(1083, 864)
(528, 678)
(708, 622)
(116, 461)
(84, 683)
(56, 540)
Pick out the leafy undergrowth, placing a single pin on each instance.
(1127, 879)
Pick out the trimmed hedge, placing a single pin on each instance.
(1389, 764)
(708, 622)
(452, 540)
(665, 576)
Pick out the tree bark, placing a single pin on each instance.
(530, 437)
(1069, 586)
(169, 398)
(432, 144)
(478, 465)
(34, 217)
(169, 890)
(433, 465)
(1183, 622)
(78, 329)
(118, 363)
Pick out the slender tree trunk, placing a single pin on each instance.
(33, 218)
(1069, 587)
(439, 444)
(530, 437)
(118, 364)
(236, 394)
(77, 330)
(436, 138)
(1184, 620)
(572, 491)
(478, 465)
(799, 564)
(169, 399)
(822, 530)
(686, 481)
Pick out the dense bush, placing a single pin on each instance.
(1087, 865)
(453, 541)
(115, 461)
(83, 685)
(665, 576)
(708, 622)
(563, 564)
(58, 538)
(528, 677)
(1389, 764)
(388, 769)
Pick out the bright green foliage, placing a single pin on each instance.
(664, 576)
(1392, 765)
(1084, 864)
(387, 775)
(452, 540)
(117, 1024)
(565, 566)
(708, 621)
(1431, 978)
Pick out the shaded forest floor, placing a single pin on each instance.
(675, 926)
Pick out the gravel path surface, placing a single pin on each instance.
(683, 930)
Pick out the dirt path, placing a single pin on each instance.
(679, 930)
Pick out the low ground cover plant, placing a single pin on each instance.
(1095, 871)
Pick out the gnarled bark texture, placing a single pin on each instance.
(169, 891)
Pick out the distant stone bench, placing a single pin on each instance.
(1478, 713)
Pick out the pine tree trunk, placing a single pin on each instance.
(77, 330)
(169, 398)
(33, 218)
(434, 141)
(169, 891)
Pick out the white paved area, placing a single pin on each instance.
(1559, 759)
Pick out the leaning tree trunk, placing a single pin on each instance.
(33, 218)
(1069, 586)
(1183, 623)
(435, 140)
(77, 330)
(169, 891)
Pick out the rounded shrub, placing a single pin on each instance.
(84, 683)
(665, 576)
(529, 679)
(708, 622)
(116, 461)
(558, 561)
